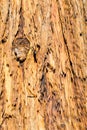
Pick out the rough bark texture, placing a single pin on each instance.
(43, 65)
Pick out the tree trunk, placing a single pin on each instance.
(43, 65)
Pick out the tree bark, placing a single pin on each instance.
(43, 65)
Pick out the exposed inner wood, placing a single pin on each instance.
(43, 65)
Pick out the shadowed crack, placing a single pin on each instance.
(6, 117)
(67, 48)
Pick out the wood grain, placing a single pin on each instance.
(48, 90)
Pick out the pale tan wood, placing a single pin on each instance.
(48, 90)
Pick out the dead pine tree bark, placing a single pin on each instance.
(43, 65)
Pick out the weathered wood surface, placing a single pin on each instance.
(45, 87)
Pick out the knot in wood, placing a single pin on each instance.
(21, 47)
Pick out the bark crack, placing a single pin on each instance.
(67, 48)
(6, 117)
(66, 45)
(43, 91)
(20, 31)
(4, 38)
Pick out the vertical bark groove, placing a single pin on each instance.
(43, 69)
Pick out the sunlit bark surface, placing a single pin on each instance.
(43, 65)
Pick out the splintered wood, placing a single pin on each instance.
(43, 65)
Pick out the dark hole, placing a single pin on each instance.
(54, 93)
(29, 84)
(64, 74)
(58, 104)
(80, 34)
(79, 120)
(20, 107)
(1, 93)
(15, 53)
(3, 40)
(10, 74)
(59, 112)
(86, 20)
(45, 58)
(54, 70)
(71, 79)
(38, 46)
(20, 61)
(48, 64)
(84, 79)
(34, 54)
(14, 105)
(42, 78)
(7, 65)
(70, 63)
(46, 70)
